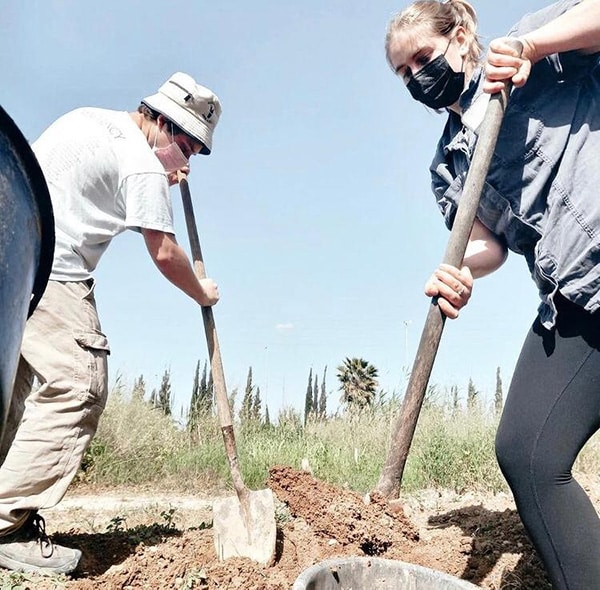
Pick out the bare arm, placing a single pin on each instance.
(173, 263)
(576, 29)
(453, 286)
(485, 253)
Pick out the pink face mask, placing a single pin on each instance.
(171, 157)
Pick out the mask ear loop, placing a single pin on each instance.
(447, 47)
(462, 57)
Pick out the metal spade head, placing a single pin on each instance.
(245, 527)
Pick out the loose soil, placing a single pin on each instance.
(165, 541)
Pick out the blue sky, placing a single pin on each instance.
(314, 210)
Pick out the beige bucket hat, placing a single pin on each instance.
(192, 107)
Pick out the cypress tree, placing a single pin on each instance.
(246, 410)
(163, 400)
(454, 397)
(256, 405)
(206, 391)
(192, 421)
(498, 397)
(472, 394)
(308, 397)
(323, 397)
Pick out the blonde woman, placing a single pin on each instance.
(541, 200)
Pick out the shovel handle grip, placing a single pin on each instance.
(404, 428)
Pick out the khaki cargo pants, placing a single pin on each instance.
(51, 427)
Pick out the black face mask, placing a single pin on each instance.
(437, 85)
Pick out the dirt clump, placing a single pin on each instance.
(341, 515)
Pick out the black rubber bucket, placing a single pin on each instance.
(369, 573)
(26, 247)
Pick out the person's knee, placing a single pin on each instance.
(527, 462)
(510, 454)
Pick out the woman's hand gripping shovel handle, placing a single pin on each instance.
(404, 428)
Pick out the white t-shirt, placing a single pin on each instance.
(103, 178)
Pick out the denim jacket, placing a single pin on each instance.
(542, 192)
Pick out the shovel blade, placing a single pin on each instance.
(252, 536)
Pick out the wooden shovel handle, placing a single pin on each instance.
(212, 341)
(404, 428)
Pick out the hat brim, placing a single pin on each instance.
(183, 118)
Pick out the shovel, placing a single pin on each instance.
(244, 525)
(404, 428)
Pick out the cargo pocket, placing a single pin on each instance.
(91, 370)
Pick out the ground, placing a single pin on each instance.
(161, 541)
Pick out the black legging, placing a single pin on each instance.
(552, 409)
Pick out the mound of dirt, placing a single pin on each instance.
(476, 539)
(341, 515)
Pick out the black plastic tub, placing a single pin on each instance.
(26, 247)
(370, 573)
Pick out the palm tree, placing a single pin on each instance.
(358, 382)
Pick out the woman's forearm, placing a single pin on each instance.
(576, 29)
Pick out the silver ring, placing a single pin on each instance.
(461, 291)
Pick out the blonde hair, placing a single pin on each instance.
(442, 18)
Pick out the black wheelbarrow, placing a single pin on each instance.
(26, 248)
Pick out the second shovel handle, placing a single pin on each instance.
(405, 425)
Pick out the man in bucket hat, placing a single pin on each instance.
(192, 107)
(107, 171)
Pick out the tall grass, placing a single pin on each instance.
(136, 444)
(455, 452)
